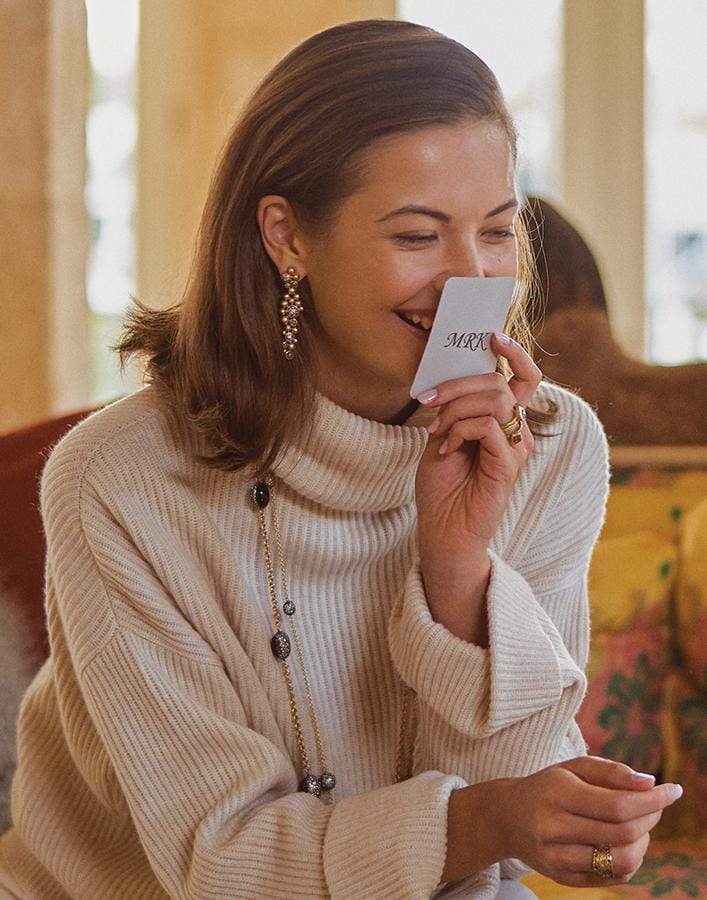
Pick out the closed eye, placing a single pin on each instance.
(426, 238)
(415, 238)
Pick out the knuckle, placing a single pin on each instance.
(500, 406)
(629, 832)
(618, 809)
(499, 380)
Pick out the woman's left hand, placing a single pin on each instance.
(461, 496)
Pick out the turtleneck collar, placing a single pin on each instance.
(352, 463)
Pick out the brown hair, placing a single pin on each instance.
(303, 133)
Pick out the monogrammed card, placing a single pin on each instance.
(459, 343)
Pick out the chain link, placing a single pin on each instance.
(406, 691)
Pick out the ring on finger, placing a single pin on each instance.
(512, 429)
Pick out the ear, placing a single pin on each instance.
(281, 235)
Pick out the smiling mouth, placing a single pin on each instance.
(422, 323)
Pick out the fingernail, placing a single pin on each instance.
(503, 338)
(443, 448)
(675, 791)
(433, 426)
(641, 777)
(427, 396)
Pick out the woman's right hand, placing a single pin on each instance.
(551, 820)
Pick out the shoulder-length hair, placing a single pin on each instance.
(217, 354)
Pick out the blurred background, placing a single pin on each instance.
(116, 109)
(113, 112)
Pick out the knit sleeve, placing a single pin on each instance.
(531, 676)
(475, 704)
(213, 799)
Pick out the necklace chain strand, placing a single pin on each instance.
(321, 787)
(298, 648)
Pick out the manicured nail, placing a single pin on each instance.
(503, 338)
(641, 777)
(443, 448)
(433, 426)
(427, 396)
(675, 791)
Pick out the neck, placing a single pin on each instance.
(370, 399)
(382, 405)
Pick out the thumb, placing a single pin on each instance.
(608, 773)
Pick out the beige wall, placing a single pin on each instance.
(44, 229)
(194, 71)
(603, 155)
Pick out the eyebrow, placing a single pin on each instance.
(443, 217)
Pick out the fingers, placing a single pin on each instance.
(487, 429)
(497, 401)
(576, 860)
(611, 805)
(580, 830)
(526, 375)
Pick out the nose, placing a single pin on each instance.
(466, 260)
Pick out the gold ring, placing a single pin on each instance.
(603, 862)
(518, 416)
(517, 423)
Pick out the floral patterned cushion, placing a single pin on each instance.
(686, 704)
(630, 581)
(647, 669)
(691, 595)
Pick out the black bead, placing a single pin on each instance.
(327, 781)
(280, 644)
(261, 494)
(288, 608)
(310, 785)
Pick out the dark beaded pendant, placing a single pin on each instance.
(280, 644)
(288, 607)
(327, 781)
(310, 784)
(261, 494)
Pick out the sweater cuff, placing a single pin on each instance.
(480, 690)
(390, 842)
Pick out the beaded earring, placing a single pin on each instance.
(290, 308)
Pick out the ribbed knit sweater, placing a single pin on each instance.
(156, 753)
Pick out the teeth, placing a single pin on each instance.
(425, 321)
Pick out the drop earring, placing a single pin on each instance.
(290, 308)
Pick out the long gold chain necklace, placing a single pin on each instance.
(322, 785)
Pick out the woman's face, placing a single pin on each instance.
(379, 259)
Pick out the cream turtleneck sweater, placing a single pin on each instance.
(156, 751)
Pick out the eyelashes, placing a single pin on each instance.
(428, 238)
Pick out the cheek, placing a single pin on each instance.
(503, 259)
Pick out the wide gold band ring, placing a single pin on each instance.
(603, 862)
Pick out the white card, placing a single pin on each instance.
(459, 343)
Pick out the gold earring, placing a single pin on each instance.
(290, 308)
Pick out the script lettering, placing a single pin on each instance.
(469, 340)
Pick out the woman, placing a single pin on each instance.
(296, 649)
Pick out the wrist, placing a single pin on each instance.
(474, 810)
(501, 801)
(456, 589)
